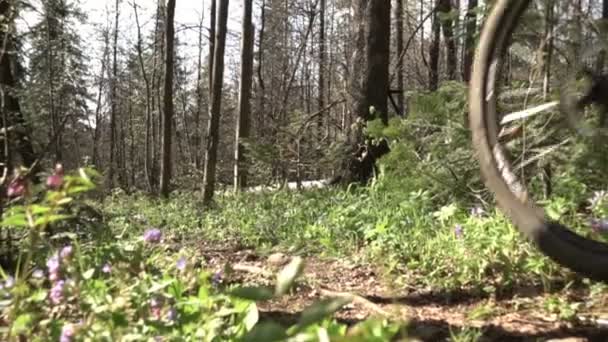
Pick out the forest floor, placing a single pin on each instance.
(429, 315)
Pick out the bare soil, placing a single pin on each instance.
(517, 315)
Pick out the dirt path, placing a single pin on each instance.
(431, 316)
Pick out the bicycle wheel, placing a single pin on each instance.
(583, 255)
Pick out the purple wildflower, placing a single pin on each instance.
(66, 252)
(156, 302)
(458, 231)
(172, 314)
(153, 235)
(599, 225)
(55, 180)
(67, 333)
(54, 276)
(16, 187)
(216, 279)
(107, 268)
(56, 293)
(181, 264)
(53, 263)
(156, 313)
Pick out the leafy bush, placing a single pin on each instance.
(430, 148)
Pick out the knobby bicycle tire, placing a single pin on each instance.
(584, 256)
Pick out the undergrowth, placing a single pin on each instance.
(133, 272)
(137, 285)
(448, 247)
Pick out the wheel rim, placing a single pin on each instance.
(585, 256)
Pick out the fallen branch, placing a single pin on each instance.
(356, 299)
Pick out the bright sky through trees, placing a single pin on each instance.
(187, 16)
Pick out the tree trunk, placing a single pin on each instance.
(548, 47)
(469, 40)
(51, 91)
(331, 126)
(369, 85)
(162, 11)
(243, 121)
(434, 54)
(199, 97)
(98, 105)
(113, 100)
(445, 7)
(132, 168)
(603, 121)
(321, 95)
(422, 36)
(168, 101)
(100, 89)
(371, 63)
(155, 97)
(148, 160)
(216, 102)
(11, 110)
(212, 28)
(399, 52)
(322, 71)
(262, 93)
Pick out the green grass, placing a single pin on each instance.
(395, 229)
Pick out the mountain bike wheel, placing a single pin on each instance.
(583, 255)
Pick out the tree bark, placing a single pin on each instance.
(199, 96)
(168, 101)
(212, 28)
(216, 103)
(98, 104)
(434, 54)
(469, 40)
(321, 86)
(149, 140)
(445, 7)
(548, 47)
(51, 37)
(243, 121)
(262, 93)
(155, 107)
(113, 100)
(369, 86)
(603, 121)
(11, 109)
(399, 38)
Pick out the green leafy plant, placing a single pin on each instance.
(134, 287)
(564, 309)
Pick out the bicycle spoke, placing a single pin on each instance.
(537, 99)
